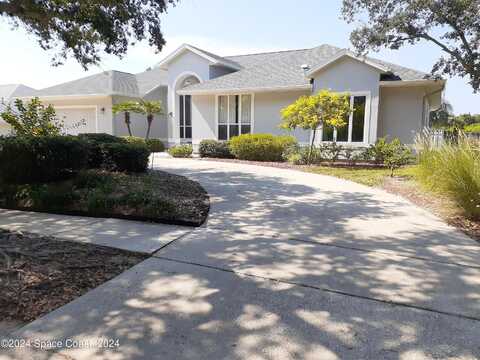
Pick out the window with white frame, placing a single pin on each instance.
(355, 130)
(234, 115)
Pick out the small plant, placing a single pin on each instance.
(331, 151)
(135, 140)
(215, 149)
(396, 155)
(304, 155)
(377, 151)
(143, 107)
(32, 119)
(181, 151)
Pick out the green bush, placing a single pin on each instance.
(135, 140)
(303, 155)
(102, 138)
(96, 157)
(41, 159)
(260, 147)
(377, 151)
(155, 145)
(125, 157)
(453, 169)
(181, 151)
(215, 149)
(331, 151)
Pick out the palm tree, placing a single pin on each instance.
(144, 107)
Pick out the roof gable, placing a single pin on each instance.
(342, 54)
(212, 58)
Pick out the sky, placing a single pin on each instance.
(224, 27)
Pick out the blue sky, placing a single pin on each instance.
(226, 28)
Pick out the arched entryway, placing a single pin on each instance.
(184, 106)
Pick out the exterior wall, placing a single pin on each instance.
(4, 128)
(401, 111)
(138, 125)
(204, 124)
(349, 75)
(102, 106)
(267, 117)
(184, 65)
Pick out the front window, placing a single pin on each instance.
(185, 107)
(354, 130)
(234, 115)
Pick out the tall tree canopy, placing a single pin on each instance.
(452, 25)
(87, 28)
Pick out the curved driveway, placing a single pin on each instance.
(289, 265)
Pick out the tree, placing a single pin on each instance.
(33, 119)
(144, 107)
(86, 28)
(452, 25)
(310, 112)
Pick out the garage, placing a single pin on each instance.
(78, 120)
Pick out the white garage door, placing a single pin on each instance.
(77, 120)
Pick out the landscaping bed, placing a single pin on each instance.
(39, 274)
(154, 196)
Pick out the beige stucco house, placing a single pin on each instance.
(206, 96)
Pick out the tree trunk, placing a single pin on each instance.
(127, 122)
(311, 146)
(149, 125)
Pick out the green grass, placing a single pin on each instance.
(363, 175)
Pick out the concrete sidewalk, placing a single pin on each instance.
(122, 234)
(289, 266)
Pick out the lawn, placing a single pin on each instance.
(370, 176)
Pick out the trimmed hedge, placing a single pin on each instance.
(215, 149)
(114, 153)
(125, 157)
(155, 145)
(41, 159)
(181, 151)
(260, 147)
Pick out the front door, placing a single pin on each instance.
(185, 117)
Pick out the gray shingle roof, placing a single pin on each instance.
(109, 83)
(283, 69)
(10, 91)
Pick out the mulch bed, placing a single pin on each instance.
(39, 274)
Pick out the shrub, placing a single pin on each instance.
(102, 138)
(155, 145)
(32, 119)
(96, 157)
(215, 149)
(260, 147)
(377, 151)
(396, 155)
(331, 151)
(41, 159)
(125, 157)
(135, 140)
(304, 155)
(181, 151)
(454, 169)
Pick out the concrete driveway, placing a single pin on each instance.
(289, 266)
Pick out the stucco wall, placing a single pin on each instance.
(103, 109)
(401, 113)
(267, 117)
(203, 118)
(138, 125)
(182, 66)
(349, 75)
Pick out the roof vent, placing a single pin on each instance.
(305, 67)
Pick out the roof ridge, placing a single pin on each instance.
(272, 52)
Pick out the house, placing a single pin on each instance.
(207, 96)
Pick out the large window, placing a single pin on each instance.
(234, 115)
(354, 131)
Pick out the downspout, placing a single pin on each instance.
(423, 102)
